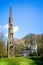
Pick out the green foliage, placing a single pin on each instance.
(17, 55)
(32, 54)
(18, 48)
(3, 51)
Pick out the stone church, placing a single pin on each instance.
(10, 42)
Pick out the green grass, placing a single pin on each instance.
(18, 61)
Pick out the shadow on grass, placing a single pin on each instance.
(38, 61)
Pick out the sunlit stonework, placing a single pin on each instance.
(10, 44)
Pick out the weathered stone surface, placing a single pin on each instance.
(10, 44)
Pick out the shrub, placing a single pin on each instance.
(41, 56)
(17, 55)
(32, 54)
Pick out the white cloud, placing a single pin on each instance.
(15, 29)
(5, 29)
(5, 26)
(6, 35)
(0, 27)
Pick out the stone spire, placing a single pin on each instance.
(10, 18)
(10, 11)
(10, 45)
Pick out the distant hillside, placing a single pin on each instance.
(28, 36)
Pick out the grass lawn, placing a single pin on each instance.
(20, 61)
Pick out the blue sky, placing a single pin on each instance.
(27, 16)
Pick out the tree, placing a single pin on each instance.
(39, 39)
(2, 45)
(41, 45)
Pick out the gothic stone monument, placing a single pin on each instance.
(10, 43)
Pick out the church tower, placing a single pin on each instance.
(10, 44)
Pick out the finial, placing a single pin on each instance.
(10, 11)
